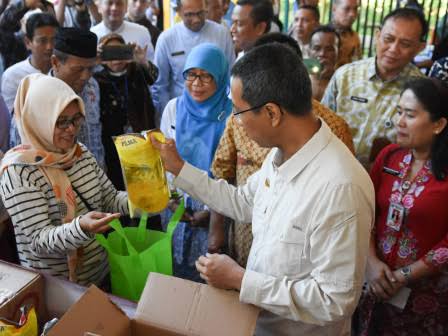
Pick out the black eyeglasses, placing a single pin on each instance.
(65, 123)
(250, 109)
(191, 77)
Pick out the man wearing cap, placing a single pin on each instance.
(113, 13)
(73, 61)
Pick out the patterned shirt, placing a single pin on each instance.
(350, 49)
(90, 132)
(439, 70)
(366, 102)
(237, 156)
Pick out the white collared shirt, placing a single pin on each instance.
(311, 219)
(131, 33)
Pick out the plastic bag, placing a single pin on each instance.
(143, 172)
(133, 252)
(27, 325)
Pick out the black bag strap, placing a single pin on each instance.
(83, 200)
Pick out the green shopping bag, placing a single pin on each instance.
(135, 251)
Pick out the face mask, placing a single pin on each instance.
(117, 74)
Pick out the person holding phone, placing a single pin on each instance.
(52, 187)
(82, 14)
(125, 104)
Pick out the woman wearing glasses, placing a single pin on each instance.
(408, 257)
(196, 120)
(52, 187)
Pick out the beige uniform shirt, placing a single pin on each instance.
(366, 102)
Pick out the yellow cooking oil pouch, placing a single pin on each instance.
(143, 172)
(27, 325)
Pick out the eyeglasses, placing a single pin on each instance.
(250, 109)
(189, 15)
(65, 123)
(204, 78)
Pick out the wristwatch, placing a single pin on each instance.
(406, 272)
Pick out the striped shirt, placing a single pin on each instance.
(42, 239)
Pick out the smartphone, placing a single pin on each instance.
(117, 53)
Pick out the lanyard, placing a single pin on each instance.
(405, 191)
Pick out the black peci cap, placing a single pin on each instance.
(77, 42)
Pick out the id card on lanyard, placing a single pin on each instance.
(395, 217)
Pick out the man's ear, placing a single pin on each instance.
(260, 28)
(28, 43)
(421, 46)
(274, 113)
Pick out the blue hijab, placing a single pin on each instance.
(199, 126)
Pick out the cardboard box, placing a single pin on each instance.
(169, 306)
(24, 287)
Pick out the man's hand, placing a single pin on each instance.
(382, 281)
(96, 222)
(170, 157)
(221, 271)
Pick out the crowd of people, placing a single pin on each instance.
(272, 157)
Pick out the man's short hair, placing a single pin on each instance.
(280, 38)
(274, 73)
(61, 56)
(262, 11)
(39, 20)
(409, 14)
(313, 9)
(179, 3)
(327, 29)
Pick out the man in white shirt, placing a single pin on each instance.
(174, 45)
(311, 204)
(113, 12)
(39, 39)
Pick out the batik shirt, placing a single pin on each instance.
(366, 102)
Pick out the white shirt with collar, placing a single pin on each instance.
(311, 220)
(131, 32)
(11, 79)
(173, 47)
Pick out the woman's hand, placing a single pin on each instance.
(96, 222)
(201, 218)
(173, 204)
(382, 282)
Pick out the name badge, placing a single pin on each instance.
(395, 216)
(359, 99)
(178, 53)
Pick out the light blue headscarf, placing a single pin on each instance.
(199, 126)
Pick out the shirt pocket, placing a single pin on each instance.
(290, 251)
(177, 64)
